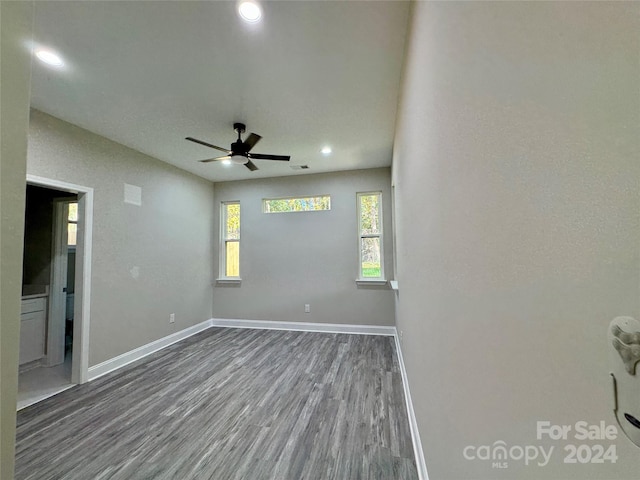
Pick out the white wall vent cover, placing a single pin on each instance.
(132, 194)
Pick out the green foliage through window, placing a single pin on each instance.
(232, 221)
(230, 255)
(370, 231)
(296, 204)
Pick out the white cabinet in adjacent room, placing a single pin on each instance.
(33, 321)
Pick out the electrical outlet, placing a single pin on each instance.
(307, 308)
(172, 318)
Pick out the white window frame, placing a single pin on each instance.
(222, 278)
(361, 236)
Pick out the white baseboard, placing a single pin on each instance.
(413, 424)
(120, 361)
(305, 327)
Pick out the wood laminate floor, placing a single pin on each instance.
(230, 404)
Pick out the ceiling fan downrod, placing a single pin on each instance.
(240, 129)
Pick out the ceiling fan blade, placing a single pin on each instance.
(261, 156)
(251, 140)
(251, 166)
(195, 140)
(225, 157)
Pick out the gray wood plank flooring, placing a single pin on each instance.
(230, 404)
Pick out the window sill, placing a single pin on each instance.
(371, 281)
(228, 281)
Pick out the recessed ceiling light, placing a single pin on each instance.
(250, 11)
(226, 161)
(326, 150)
(49, 57)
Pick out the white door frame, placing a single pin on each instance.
(82, 304)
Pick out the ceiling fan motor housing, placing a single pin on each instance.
(239, 148)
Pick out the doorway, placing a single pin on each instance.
(56, 285)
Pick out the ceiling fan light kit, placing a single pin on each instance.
(240, 150)
(239, 159)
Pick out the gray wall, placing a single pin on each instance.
(518, 224)
(148, 261)
(290, 259)
(16, 19)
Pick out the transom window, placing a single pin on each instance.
(296, 204)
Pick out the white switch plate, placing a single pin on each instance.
(307, 308)
(172, 318)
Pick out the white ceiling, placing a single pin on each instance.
(148, 74)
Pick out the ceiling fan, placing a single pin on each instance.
(239, 152)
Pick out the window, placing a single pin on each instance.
(296, 204)
(230, 240)
(370, 235)
(72, 224)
